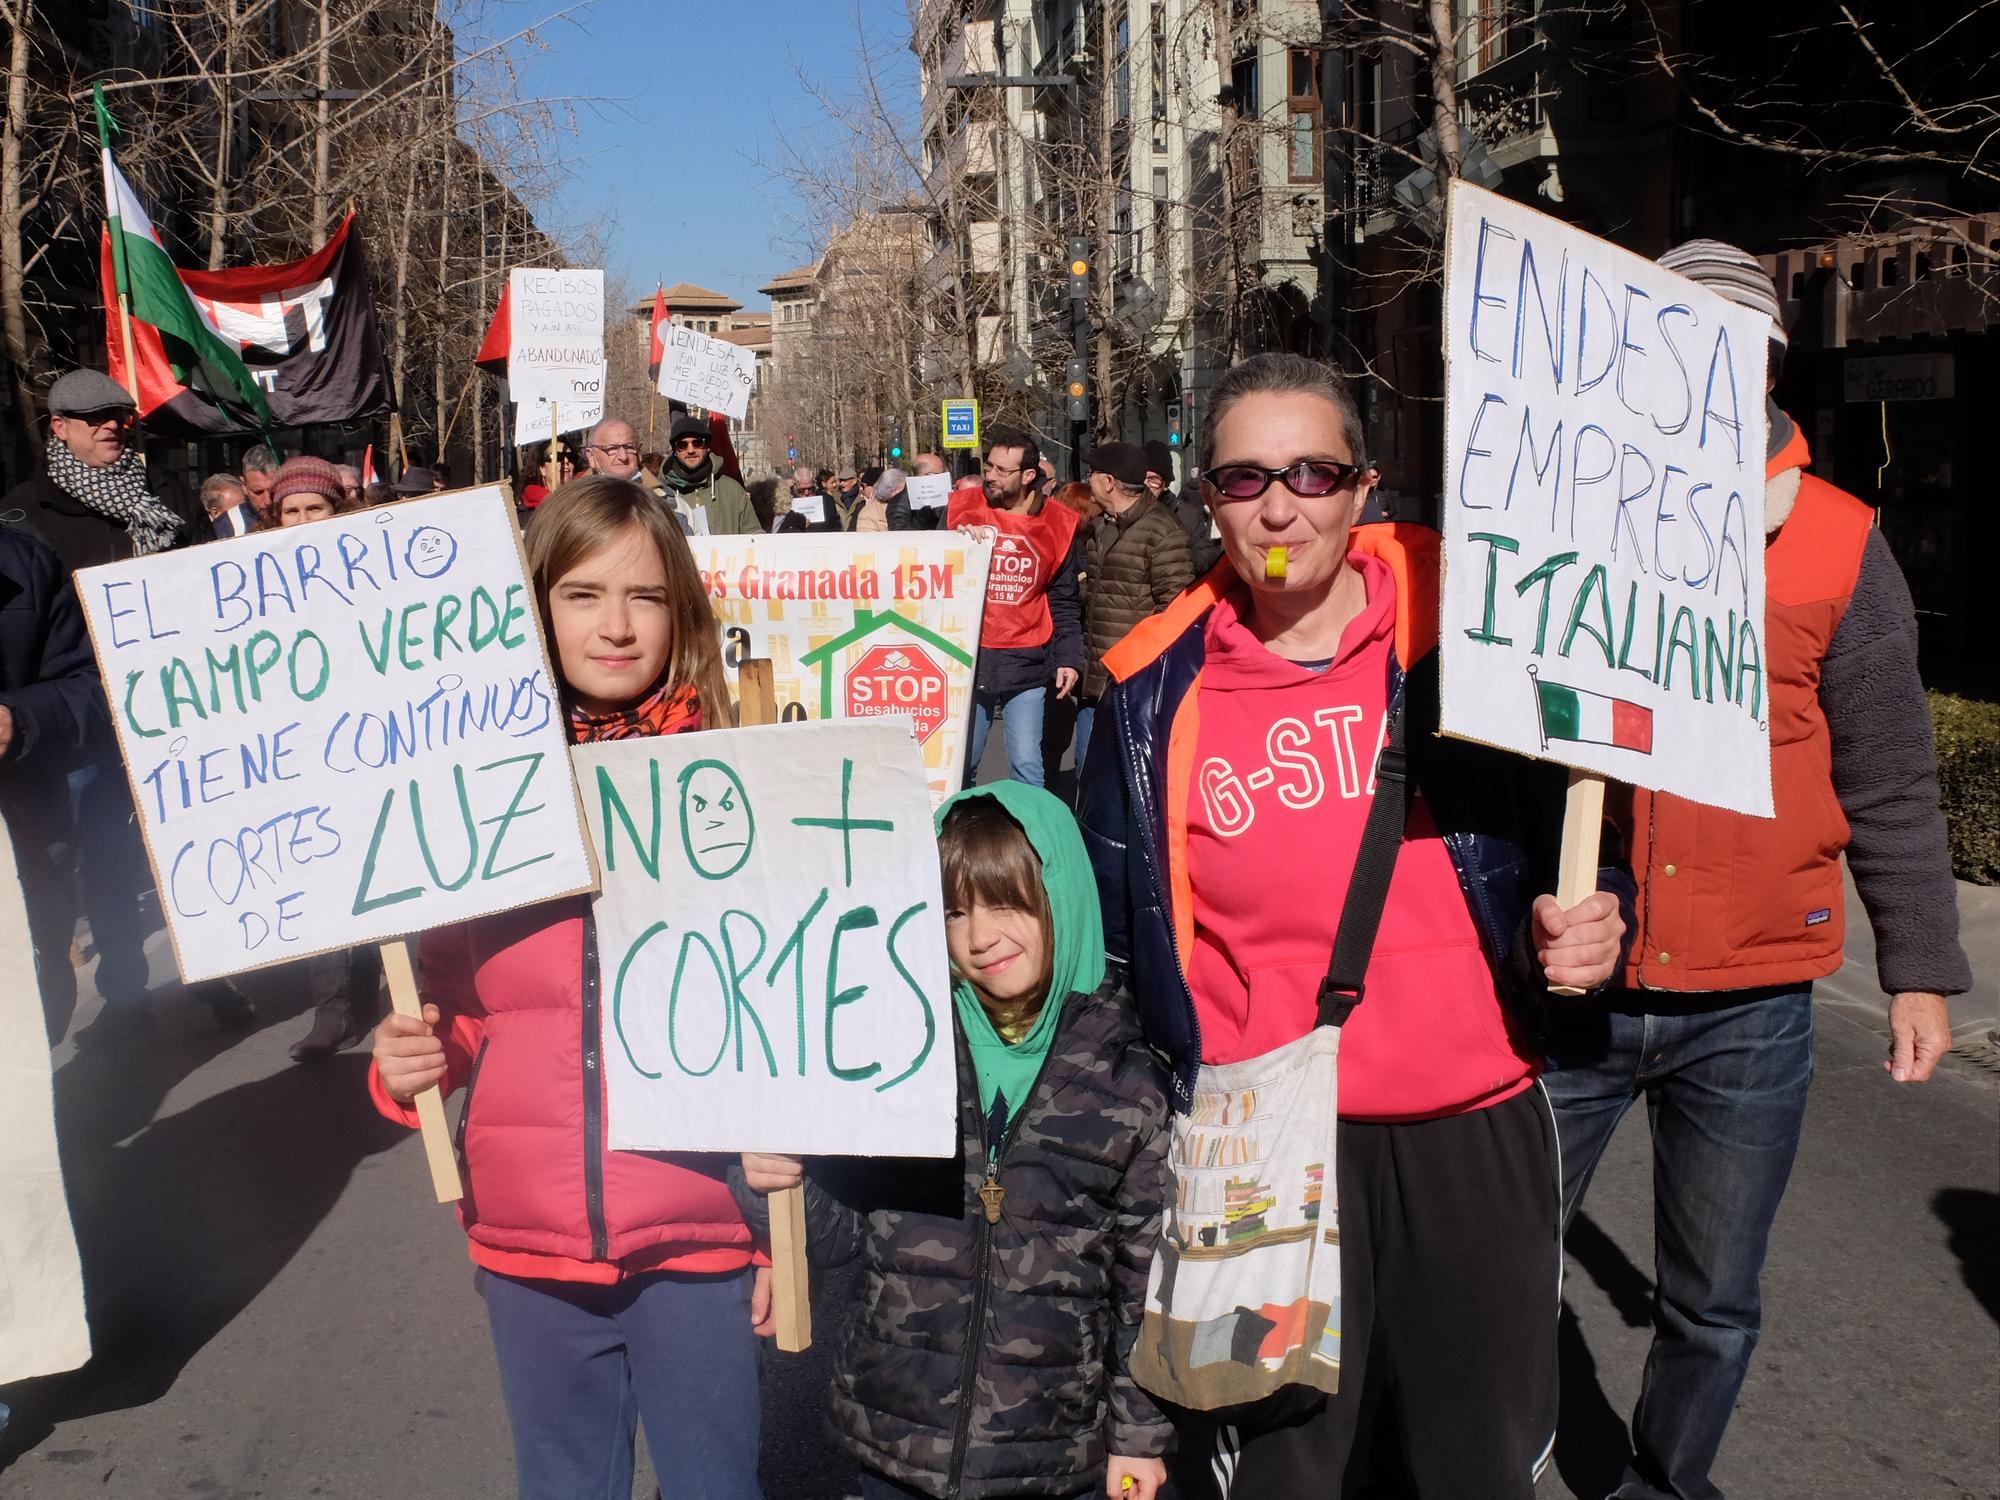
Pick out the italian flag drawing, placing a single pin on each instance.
(151, 290)
(1588, 718)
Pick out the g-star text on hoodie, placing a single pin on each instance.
(1301, 762)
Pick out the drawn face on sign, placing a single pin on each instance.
(717, 826)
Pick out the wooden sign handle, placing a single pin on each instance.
(1583, 832)
(430, 1103)
(791, 1291)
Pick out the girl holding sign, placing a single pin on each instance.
(619, 1285)
(1001, 1289)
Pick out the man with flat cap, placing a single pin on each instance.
(94, 506)
(708, 501)
(1136, 561)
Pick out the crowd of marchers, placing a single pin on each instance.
(1276, 879)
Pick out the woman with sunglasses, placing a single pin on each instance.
(709, 502)
(1237, 757)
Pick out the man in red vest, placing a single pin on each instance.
(1737, 917)
(1031, 635)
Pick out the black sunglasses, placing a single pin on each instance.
(690, 442)
(1308, 478)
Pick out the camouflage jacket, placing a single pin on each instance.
(986, 1358)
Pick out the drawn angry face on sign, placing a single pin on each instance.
(717, 827)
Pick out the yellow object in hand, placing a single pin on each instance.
(1129, 1480)
(1274, 563)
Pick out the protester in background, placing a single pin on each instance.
(93, 507)
(440, 476)
(1223, 891)
(1204, 547)
(229, 511)
(808, 501)
(260, 468)
(650, 464)
(52, 713)
(417, 481)
(1031, 632)
(376, 494)
(988, 1352)
(709, 501)
(305, 489)
(612, 449)
(928, 463)
(1737, 916)
(350, 485)
(310, 489)
(623, 1289)
(886, 506)
(1136, 559)
(1076, 495)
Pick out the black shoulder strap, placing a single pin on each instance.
(1368, 888)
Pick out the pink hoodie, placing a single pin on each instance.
(1284, 778)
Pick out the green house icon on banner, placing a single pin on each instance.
(886, 678)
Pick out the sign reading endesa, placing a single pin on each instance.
(339, 732)
(555, 351)
(859, 625)
(711, 373)
(1603, 510)
(771, 939)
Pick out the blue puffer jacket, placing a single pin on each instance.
(1500, 815)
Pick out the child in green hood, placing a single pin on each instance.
(1000, 1293)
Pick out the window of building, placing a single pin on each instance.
(1159, 67)
(1243, 79)
(1302, 119)
(1121, 47)
(1162, 224)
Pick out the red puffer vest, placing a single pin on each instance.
(1731, 902)
(544, 1197)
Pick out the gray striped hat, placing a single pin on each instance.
(1729, 272)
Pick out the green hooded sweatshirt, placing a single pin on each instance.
(1078, 963)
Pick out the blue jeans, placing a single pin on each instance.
(1085, 717)
(1725, 1080)
(581, 1365)
(111, 871)
(1020, 715)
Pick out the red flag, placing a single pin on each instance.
(721, 447)
(657, 350)
(492, 355)
(368, 467)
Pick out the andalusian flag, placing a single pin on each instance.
(152, 292)
(1593, 718)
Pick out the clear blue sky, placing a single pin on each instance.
(701, 91)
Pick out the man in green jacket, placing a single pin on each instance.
(1136, 560)
(708, 501)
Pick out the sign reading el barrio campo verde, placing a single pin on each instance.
(1603, 510)
(339, 732)
(770, 942)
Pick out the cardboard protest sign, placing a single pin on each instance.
(858, 625)
(555, 350)
(711, 373)
(339, 732)
(770, 937)
(1603, 510)
(42, 1325)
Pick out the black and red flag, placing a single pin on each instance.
(657, 349)
(492, 355)
(306, 330)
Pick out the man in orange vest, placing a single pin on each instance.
(1737, 917)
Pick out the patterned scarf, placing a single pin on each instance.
(118, 493)
(662, 711)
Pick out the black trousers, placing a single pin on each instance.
(1451, 1270)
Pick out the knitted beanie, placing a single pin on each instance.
(1731, 273)
(305, 475)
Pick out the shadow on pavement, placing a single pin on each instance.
(1592, 1441)
(185, 1223)
(1973, 1217)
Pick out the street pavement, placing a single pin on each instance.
(281, 1310)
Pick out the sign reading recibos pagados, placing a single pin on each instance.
(339, 732)
(771, 942)
(857, 626)
(1603, 510)
(555, 350)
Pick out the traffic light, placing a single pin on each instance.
(895, 438)
(1077, 388)
(1079, 269)
(1174, 436)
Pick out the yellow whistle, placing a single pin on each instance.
(1274, 563)
(1129, 1482)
